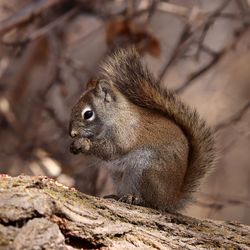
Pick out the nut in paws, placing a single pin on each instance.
(80, 145)
(85, 145)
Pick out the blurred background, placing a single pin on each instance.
(50, 49)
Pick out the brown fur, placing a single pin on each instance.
(158, 146)
(133, 79)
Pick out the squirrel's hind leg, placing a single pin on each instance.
(161, 184)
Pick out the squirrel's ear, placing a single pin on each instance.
(91, 84)
(105, 91)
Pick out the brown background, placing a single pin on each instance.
(41, 80)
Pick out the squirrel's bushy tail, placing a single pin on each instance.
(125, 70)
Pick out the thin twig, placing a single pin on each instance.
(179, 47)
(235, 118)
(151, 11)
(174, 9)
(187, 37)
(59, 22)
(209, 23)
(199, 72)
(26, 14)
(214, 61)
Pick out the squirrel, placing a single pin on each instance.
(158, 148)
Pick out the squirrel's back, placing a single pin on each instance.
(126, 72)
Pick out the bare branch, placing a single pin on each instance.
(26, 14)
(188, 35)
(199, 72)
(173, 9)
(214, 61)
(235, 118)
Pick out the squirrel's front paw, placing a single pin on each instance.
(80, 145)
(130, 199)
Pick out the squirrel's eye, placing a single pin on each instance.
(88, 114)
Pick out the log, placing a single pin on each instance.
(40, 213)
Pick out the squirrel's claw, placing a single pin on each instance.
(130, 199)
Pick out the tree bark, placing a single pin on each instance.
(39, 213)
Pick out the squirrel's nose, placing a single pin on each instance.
(73, 133)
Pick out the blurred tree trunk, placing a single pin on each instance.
(38, 213)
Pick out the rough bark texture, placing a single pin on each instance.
(38, 213)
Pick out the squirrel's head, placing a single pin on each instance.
(92, 114)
